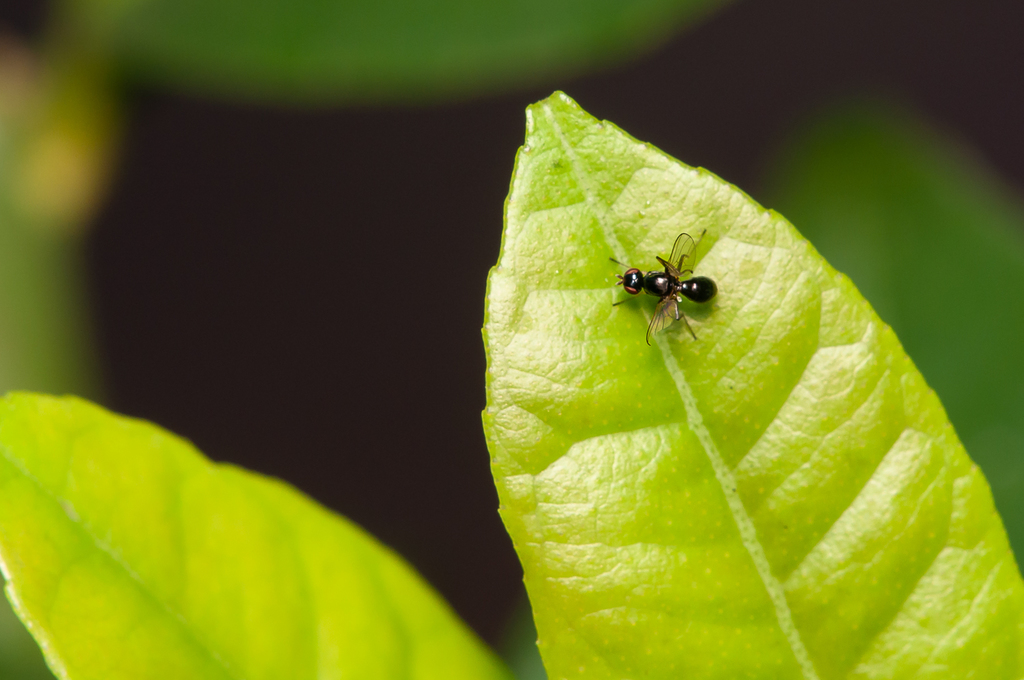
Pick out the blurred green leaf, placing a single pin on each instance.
(20, 658)
(519, 644)
(129, 555)
(405, 50)
(935, 241)
(782, 497)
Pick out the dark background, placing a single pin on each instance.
(301, 292)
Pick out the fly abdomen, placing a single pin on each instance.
(698, 289)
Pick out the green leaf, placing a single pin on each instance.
(519, 644)
(129, 555)
(935, 241)
(380, 50)
(782, 497)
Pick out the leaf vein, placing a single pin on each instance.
(723, 474)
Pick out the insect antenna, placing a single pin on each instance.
(618, 263)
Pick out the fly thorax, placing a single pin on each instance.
(657, 283)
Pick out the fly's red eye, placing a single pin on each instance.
(633, 281)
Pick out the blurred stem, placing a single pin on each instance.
(58, 125)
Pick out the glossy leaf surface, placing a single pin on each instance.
(782, 498)
(129, 555)
(377, 50)
(935, 241)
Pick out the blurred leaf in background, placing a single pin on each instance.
(519, 648)
(130, 554)
(390, 50)
(20, 657)
(935, 241)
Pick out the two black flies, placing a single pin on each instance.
(671, 285)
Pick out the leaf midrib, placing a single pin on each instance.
(726, 480)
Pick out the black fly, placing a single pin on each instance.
(676, 280)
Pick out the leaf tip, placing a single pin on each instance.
(557, 102)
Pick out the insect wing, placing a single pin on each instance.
(665, 313)
(682, 252)
(670, 268)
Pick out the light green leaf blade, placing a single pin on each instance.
(935, 241)
(129, 555)
(364, 50)
(781, 498)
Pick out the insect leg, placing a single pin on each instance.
(683, 317)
